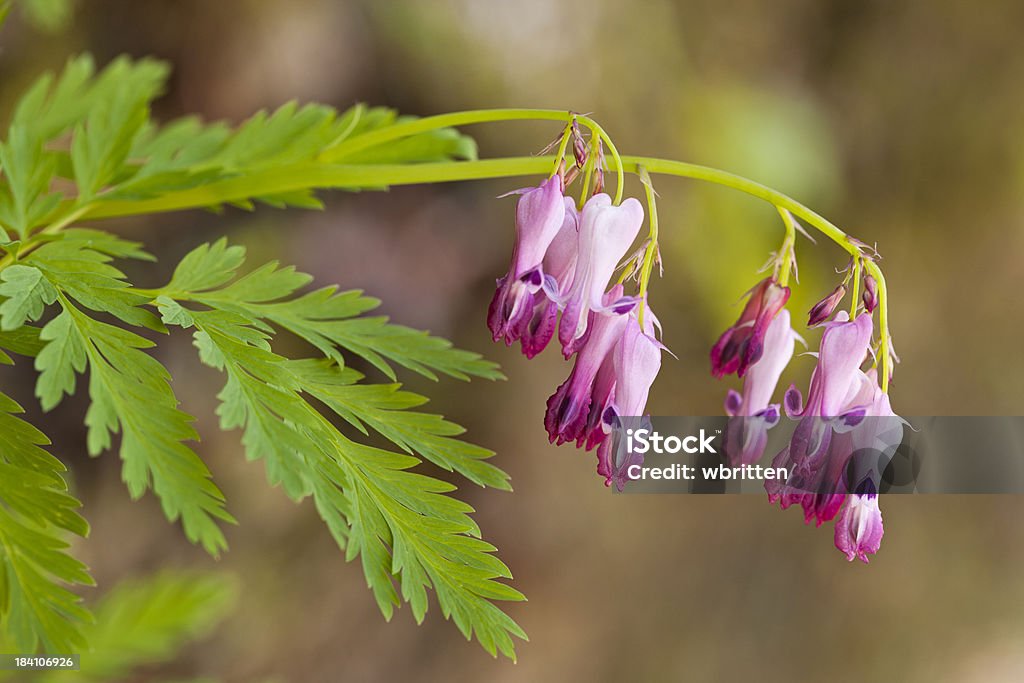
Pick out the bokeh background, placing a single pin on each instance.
(901, 121)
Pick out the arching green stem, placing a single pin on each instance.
(885, 358)
(347, 147)
(652, 241)
(303, 176)
(560, 154)
(787, 250)
(588, 170)
(856, 286)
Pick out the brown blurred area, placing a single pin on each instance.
(900, 121)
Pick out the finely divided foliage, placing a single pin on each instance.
(82, 145)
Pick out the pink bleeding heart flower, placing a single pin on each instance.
(846, 413)
(540, 215)
(569, 407)
(751, 413)
(836, 377)
(636, 363)
(606, 232)
(559, 265)
(742, 345)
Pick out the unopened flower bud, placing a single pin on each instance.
(579, 147)
(824, 309)
(742, 345)
(870, 296)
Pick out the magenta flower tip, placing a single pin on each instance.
(870, 296)
(859, 529)
(524, 307)
(824, 309)
(742, 344)
(605, 233)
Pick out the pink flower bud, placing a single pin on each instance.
(870, 296)
(742, 345)
(824, 309)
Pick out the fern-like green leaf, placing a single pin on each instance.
(55, 105)
(28, 292)
(36, 513)
(25, 198)
(399, 522)
(325, 318)
(102, 142)
(386, 408)
(80, 267)
(23, 341)
(82, 145)
(131, 395)
(122, 162)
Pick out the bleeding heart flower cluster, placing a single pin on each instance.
(560, 279)
(560, 282)
(832, 424)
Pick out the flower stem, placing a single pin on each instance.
(315, 175)
(326, 172)
(856, 287)
(786, 251)
(883, 322)
(588, 170)
(652, 241)
(560, 154)
(347, 147)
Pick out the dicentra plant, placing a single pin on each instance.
(81, 146)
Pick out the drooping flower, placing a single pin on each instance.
(594, 431)
(859, 527)
(563, 252)
(820, 490)
(751, 413)
(636, 363)
(836, 379)
(606, 231)
(540, 328)
(570, 405)
(558, 266)
(540, 214)
(847, 432)
(741, 345)
(824, 309)
(844, 345)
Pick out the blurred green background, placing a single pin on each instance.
(900, 121)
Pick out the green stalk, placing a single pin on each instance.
(561, 148)
(856, 287)
(883, 321)
(786, 254)
(652, 241)
(462, 118)
(588, 172)
(357, 176)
